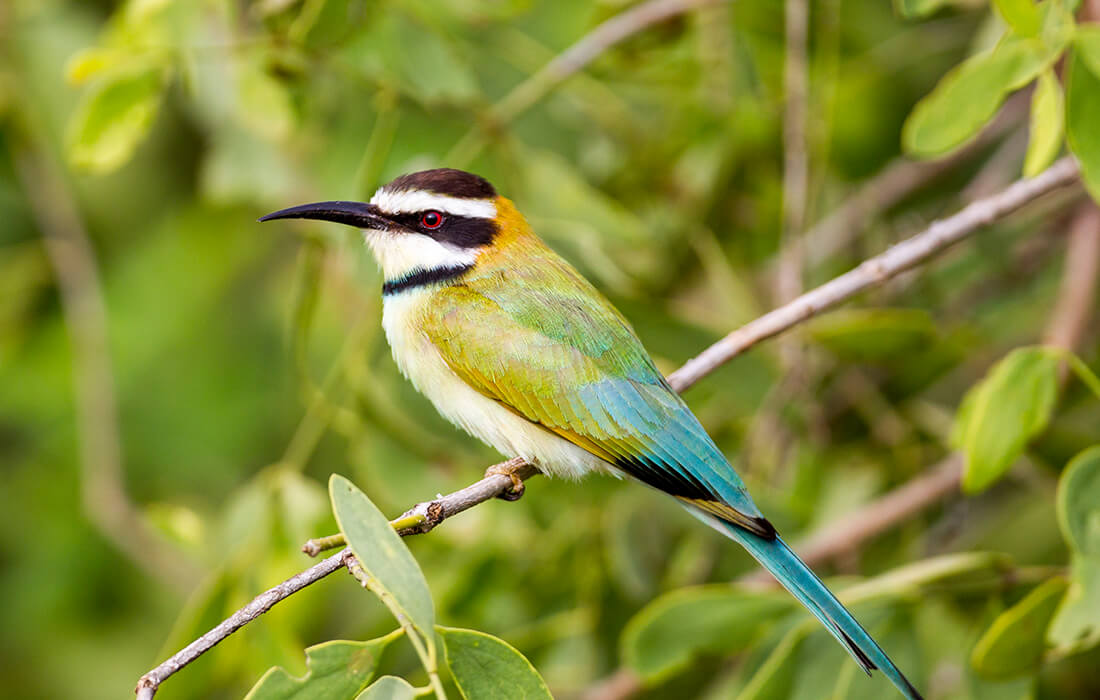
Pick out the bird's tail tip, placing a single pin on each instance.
(797, 578)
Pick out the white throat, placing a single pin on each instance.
(401, 254)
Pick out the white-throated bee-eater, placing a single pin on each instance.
(514, 346)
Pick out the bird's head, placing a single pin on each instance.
(420, 222)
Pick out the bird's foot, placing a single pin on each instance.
(510, 469)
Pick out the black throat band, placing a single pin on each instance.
(421, 278)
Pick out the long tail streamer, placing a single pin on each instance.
(775, 556)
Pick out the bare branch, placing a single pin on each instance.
(621, 684)
(102, 485)
(874, 271)
(492, 486)
(147, 685)
(606, 35)
(1076, 296)
(427, 515)
(788, 278)
(878, 516)
(614, 30)
(897, 180)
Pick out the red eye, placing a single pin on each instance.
(431, 219)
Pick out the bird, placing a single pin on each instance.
(513, 345)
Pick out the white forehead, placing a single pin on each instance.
(411, 201)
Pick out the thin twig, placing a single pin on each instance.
(1076, 296)
(148, 684)
(433, 513)
(425, 516)
(874, 271)
(102, 485)
(620, 684)
(920, 247)
(892, 184)
(570, 61)
(493, 485)
(867, 522)
(788, 278)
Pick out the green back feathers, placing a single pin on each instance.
(525, 329)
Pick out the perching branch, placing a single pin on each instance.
(425, 516)
(421, 518)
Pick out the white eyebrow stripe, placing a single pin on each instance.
(410, 201)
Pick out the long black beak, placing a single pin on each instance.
(357, 214)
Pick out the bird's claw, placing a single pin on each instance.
(515, 492)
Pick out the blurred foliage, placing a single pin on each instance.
(248, 364)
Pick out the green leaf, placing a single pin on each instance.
(1047, 124)
(1013, 645)
(775, 677)
(1079, 502)
(1004, 411)
(945, 570)
(337, 669)
(388, 688)
(968, 96)
(1083, 372)
(112, 119)
(571, 207)
(1082, 116)
(1076, 626)
(383, 555)
(913, 9)
(487, 668)
(262, 101)
(1057, 28)
(1086, 43)
(435, 72)
(93, 62)
(1021, 15)
(675, 628)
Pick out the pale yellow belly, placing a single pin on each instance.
(489, 421)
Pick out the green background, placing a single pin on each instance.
(247, 363)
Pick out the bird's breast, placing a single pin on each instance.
(488, 420)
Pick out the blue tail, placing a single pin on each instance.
(775, 556)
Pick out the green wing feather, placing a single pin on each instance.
(549, 346)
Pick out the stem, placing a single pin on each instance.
(425, 648)
(321, 544)
(1083, 372)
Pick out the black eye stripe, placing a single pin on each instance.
(460, 231)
